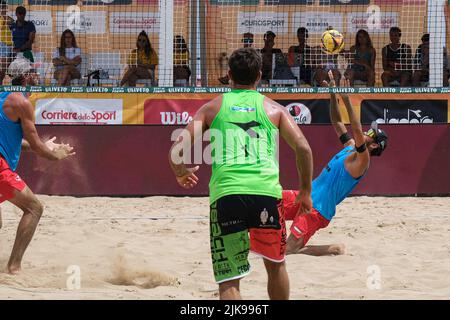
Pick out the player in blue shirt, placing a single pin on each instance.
(341, 175)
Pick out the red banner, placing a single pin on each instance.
(171, 111)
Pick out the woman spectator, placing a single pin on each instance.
(181, 69)
(67, 59)
(141, 62)
(363, 55)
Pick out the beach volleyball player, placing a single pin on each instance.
(341, 175)
(18, 132)
(244, 186)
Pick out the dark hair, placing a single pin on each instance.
(362, 31)
(245, 65)
(17, 81)
(179, 39)
(21, 10)
(3, 3)
(148, 46)
(395, 29)
(269, 33)
(425, 37)
(62, 42)
(303, 30)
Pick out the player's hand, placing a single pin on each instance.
(62, 151)
(188, 179)
(51, 144)
(305, 201)
(332, 83)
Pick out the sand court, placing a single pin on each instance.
(158, 248)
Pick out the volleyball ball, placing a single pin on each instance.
(332, 41)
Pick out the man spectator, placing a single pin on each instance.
(300, 56)
(23, 33)
(267, 53)
(422, 59)
(396, 60)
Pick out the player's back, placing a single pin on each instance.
(10, 136)
(243, 141)
(333, 184)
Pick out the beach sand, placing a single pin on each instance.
(158, 248)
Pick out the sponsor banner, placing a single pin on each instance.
(156, 2)
(42, 21)
(171, 111)
(343, 2)
(51, 2)
(317, 22)
(79, 111)
(133, 22)
(74, 2)
(404, 111)
(260, 22)
(233, 2)
(308, 111)
(373, 22)
(87, 22)
(400, 2)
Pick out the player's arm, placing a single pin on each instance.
(357, 167)
(294, 137)
(25, 146)
(185, 141)
(336, 118)
(26, 115)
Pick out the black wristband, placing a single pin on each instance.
(361, 148)
(344, 138)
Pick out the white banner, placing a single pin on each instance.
(88, 22)
(378, 23)
(317, 22)
(261, 22)
(133, 22)
(79, 111)
(42, 21)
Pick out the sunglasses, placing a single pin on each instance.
(247, 40)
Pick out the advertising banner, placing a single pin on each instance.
(42, 21)
(375, 23)
(88, 22)
(171, 111)
(404, 111)
(317, 22)
(79, 111)
(133, 22)
(260, 22)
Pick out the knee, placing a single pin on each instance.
(36, 209)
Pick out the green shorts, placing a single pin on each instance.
(243, 223)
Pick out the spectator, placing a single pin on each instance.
(181, 68)
(422, 59)
(396, 60)
(23, 33)
(363, 55)
(247, 42)
(141, 62)
(67, 59)
(298, 55)
(5, 39)
(267, 55)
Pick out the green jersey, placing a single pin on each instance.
(243, 148)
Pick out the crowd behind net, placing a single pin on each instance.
(193, 39)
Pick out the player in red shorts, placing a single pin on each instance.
(17, 133)
(341, 175)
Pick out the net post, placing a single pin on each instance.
(165, 57)
(436, 29)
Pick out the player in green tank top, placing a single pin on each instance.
(244, 186)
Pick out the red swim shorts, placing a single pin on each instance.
(304, 225)
(9, 181)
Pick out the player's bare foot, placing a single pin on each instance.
(337, 249)
(14, 270)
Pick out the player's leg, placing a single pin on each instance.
(1, 222)
(268, 239)
(323, 250)
(278, 280)
(229, 290)
(229, 242)
(32, 212)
